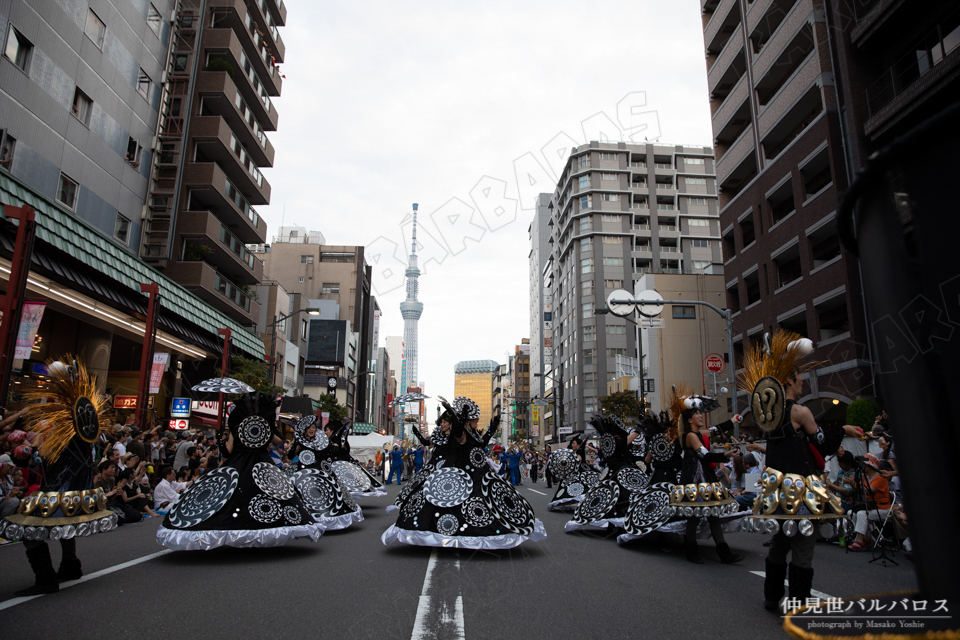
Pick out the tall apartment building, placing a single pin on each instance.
(476, 379)
(619, 211)
(82, 89)
(215, 106)
(779, 168)
(520, 377)
(541, 322)
(300, 262)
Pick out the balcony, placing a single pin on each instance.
(211, 286)
(209, 189)
(263, 81)
(794, 121)
(219, 83)
(732, 54)
(279, 11)
(219, 98)
(779, 50)
(216, 142)
(267, 29)
(724, 22)
(223, 250)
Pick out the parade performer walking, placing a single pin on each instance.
(355, 478)
(462, 503)
(697, 472)
(606, 504)
(574, 476)
(793, 492)
(68, 414)
(321, 491)
(246, 502)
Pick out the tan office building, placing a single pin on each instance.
(476, 380)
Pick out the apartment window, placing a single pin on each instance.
(613, 284)
(67, 191)
(816, 174)
(154, 19)
(693, 161)
(586, 245)
(788, 266)
(585, 202)
(134, 151)
(697, 242)
(586, 288)
(824, 244)
(612, 262)
(796, 323)
(586, 265)
(143, 83)
(747, 231)
(330, 287)
(300, 279)
(833, 318)
(584, 182)
(608, 156)
(698, 222)
(589, 333)
(121, 229)
(615, 329)
(18, 48)
(752, 282)
(180, 62)
(586, 310)
(589, 378)
(8, 145)
(611, 197)
(82, 106)
(781, 202)
(306, 259)
(684, 311)
(613, 353)
(696, 202)
(583, 161)
(733, 298)
(608, 176)
(589, 356)
(95, 29)
(303, 329)
(729, 245)
(700, 265)
(697, 181)
(610, 217)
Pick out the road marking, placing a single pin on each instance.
(439, 615)
(535, 491)
(813, 592)
(12, 602)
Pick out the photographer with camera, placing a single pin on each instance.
(876, 491)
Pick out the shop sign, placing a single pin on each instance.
(180, 408)
(179, 425)
(29, 323)
(124, 402)
(156, 372)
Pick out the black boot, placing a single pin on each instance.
(693, 555)
(46, 577)
(773, 586)
(801, 582)
(727, 556)
(70, 568)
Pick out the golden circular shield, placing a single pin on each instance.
(768, 404)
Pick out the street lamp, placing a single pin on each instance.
(557, 415)
(273, 340)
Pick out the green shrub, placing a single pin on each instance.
(862, 412)
(219, 64)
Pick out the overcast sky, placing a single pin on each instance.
(386, 104)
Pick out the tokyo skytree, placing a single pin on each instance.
(411, 310)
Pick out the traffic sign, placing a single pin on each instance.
(621, 310)
(651, 323)
(180, 408)
(649, 310)
(179, 425)
(714, 363)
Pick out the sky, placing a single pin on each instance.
(466, 108)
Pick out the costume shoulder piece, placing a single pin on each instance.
(68, 414)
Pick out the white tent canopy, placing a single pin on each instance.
(365, 447)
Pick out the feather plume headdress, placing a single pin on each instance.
(50, 411)
(681, 399)
(780, 356)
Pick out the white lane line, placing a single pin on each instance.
(12, 602)
(813, 592)
(535, 491)
(448, 624)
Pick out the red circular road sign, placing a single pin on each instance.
(714, 363)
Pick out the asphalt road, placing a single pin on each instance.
(348, 585)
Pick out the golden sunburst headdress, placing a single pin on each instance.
(780, 356)
(70, 405)
(681, 399)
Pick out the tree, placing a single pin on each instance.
(328, 402)
(255, 374)
(862, 412)
(623, 404)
